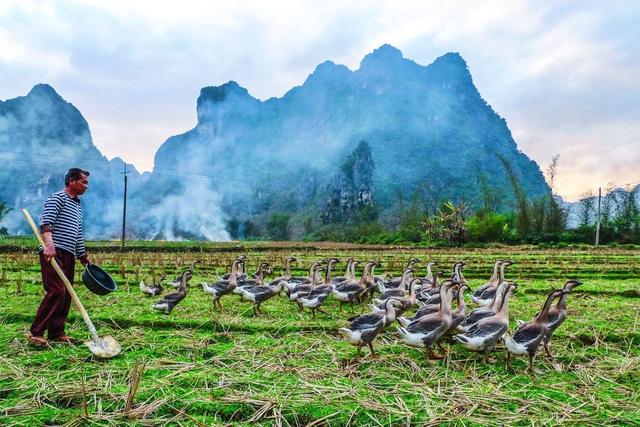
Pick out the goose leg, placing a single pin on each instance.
(532, 370)
(373, 353)
(547, 350)
(444, 350)
(507, 361)
(436, 355)
(323, 311)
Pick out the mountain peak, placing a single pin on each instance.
(231, 94)
(328, 71)
(453, 59)
(451, 66)
(384, 55)
(220, 93)
(43, 90)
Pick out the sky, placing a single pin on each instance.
(564, 74)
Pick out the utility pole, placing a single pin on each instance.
(598, 217)
(124, 205)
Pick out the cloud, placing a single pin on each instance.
(563, 74)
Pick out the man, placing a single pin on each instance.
(61, 228)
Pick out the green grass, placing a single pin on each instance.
(203, 367)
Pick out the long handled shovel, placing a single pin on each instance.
(102, 347)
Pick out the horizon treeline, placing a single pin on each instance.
(425, 219)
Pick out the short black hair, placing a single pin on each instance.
(74, 174)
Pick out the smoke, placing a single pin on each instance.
(193, 213)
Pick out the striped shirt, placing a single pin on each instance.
(62, 216)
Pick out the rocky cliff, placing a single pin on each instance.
(245, 159)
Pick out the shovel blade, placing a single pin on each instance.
(104, 348)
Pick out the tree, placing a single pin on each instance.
(585, 208)
(411, 219)
(432, 193)
(233, 227)
(251, 230)
(448, 224)
(490, 195)
(523, 223)
(488, 227)
(552, 173)
(556, 216)
(3, 211)
(278, 227)
(627, 220)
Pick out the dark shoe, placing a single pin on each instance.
(65, 339)
(37, 341)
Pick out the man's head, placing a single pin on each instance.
(76, 181)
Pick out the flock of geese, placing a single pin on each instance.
(441, 313)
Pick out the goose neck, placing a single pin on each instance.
(544, 313)
(494, 275)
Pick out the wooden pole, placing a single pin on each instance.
(598, 217)
(124, 205)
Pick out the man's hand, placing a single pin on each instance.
(84, 259)
(49, 250)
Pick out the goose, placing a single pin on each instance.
(237, 269)
(176, 282)
(313, 275)
(396, 282)
(151, 289)
(427, 330)
(303, 289)
(168, 303)
(431, 295)
(241, 274)
(319, 294)
(364, 328)
(224, 287)
(494, 280)
(327, 272)
(315, 298)
(487, 295)
(349, 274)
(407, 301)
(485, 311)
(263, 269)
(429, 279)
(400, 286)
(457, 272)
(425, 310)
(261, 293)
(558, 314)
(287, 271)
(527, 338)
(483, 336)
(349, 291)
(461, 311)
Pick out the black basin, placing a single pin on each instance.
(97, 280)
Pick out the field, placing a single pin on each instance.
(199, 366)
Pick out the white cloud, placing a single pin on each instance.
(563, 74)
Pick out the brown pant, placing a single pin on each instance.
(54, 308)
